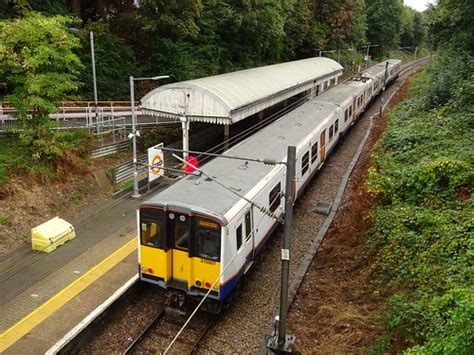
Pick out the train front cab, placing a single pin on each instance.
(179, 251)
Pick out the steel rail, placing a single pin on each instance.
(144, 333)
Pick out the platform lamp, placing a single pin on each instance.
(94, 79)
(136, 133)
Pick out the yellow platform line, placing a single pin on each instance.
(20, 329)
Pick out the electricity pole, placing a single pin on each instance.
(285, 343)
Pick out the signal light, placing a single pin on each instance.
(198, 283)
(150, 270)
(208, 285)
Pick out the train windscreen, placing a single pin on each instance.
(207, 239)
(152, 228)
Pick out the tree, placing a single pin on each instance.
(38, 63)
(39, 70)
(115, 62)
(452, 22)
(385, 20)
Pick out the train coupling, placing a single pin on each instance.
(175, 305)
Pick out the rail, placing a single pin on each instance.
(158, 331)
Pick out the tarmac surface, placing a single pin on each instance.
(30, 280)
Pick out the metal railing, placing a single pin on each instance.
(124, 172)
(108, 149)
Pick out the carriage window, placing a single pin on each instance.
(350, 111)
(180, 227)
(346, 115)
(207, 239)
(336, 126)
(152, 232)
(305, 163)
(275, 197)
(248, 226)
(331, 132)
(238, 235)
(314, 152)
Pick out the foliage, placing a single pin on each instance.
(422, 235)
(114, 60)
(385, 20)
(37, 60)
(452, 79)
(40, 151)
(451, 23)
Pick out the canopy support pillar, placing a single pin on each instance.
(226, 136)
(185, 127)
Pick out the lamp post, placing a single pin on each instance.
(136, 133)
(94, 79)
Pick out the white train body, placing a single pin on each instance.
(197, 236)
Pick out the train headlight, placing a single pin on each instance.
(150, 270)
(207, 284)
(143, 269)
(198, 283)
(214, 287)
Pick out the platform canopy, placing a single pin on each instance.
(231, 97)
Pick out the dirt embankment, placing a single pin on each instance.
(26, 203)
(336, 309)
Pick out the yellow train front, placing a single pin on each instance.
(179, 250)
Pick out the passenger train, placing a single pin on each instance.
(196, 237)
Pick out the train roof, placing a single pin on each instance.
(379, 69)
(342, 93)
(201, 195)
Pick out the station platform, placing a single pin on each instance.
(44, 296)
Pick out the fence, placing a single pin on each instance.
(111, 149)
(124, 172)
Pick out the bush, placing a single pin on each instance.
(422, 234)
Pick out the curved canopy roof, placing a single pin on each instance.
(230, 97)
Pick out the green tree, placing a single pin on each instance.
(385, 21)
(39, 70)
(115, 62)
(407, 36)
(452, 22)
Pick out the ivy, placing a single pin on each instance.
(422, 238)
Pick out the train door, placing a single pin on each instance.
(354, 115)
(180, 227)
(249, 237)
(322, 147)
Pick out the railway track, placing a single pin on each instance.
(157, 335)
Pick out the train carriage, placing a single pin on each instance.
(198, 237)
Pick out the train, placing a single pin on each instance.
(198, 238)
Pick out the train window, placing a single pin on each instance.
(331, 132)
(180, 226)
(152, 228)
(207, 239)
(350, 111)
(248, 226)
(314, 152)
(336, 126)
(346, 115)
(275, 197)
(305, 163)
(238, 236)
